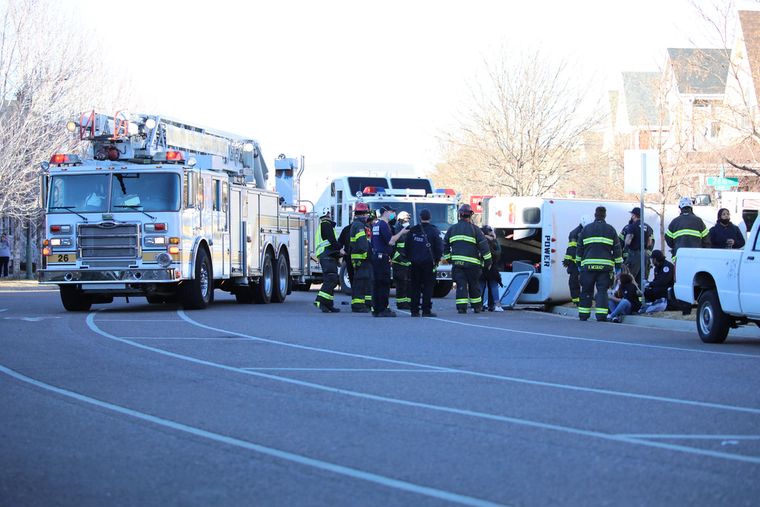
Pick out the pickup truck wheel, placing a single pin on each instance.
(712, 322)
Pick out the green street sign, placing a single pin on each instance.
(723, 187)
(716, 182)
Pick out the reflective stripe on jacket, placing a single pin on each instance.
(599, 247)
(465, 244)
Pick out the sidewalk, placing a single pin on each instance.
(673, 321)
(9, 284)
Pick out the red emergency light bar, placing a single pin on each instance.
(65, 158)
(373, 190)
(302, 208)
(174, 156)
(445, 191)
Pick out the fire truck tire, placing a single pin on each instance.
(196, 294)
(345, 281)
(442, 288)
(73, 299)
(282, 279)
(262, 291)
(244, 295)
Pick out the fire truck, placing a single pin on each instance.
(169, 211)
(403, 194)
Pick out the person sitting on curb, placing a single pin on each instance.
(625, 300)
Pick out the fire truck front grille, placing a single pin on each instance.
(119, 241)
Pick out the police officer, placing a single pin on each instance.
(328, 252)
(361, 297)
(401, 264)
(599, 255)
(664, 273)
(383, 241)
(633, 244)
(569, 260)
(686, 230)
(466, 248)
(424, 249)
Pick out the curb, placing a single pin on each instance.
(749, 331)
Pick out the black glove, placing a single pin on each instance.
(566, 263)
(488, 266)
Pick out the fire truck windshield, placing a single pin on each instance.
(443, 215)
(81, 193)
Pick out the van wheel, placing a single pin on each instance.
(345, 281)
(73, 299)
(712, 322)
(262, 291)
(282, 279)
(442, 288)
(196, 294)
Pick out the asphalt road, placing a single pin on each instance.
(136, 404)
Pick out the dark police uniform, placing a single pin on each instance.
(424, 249)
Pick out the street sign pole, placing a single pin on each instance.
(642, 273)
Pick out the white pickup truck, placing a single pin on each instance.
(725, 284)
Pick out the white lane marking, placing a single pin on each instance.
(289, 456)
(694, 437)
(392, 370)
(3, 309)
(475, 373)
(31, 319)
(597, 340)
(468, 413)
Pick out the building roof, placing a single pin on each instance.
(750, 24)
(640, 90)
(699, 71)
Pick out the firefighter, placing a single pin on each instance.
(686, 230)
(569, 260)
(361, 296)
(328, 252)
(401, 264)
(599, 256)
(465, 247)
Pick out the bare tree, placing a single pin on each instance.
(523, 129)
(50, 69)
(737, 142)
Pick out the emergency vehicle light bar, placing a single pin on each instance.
(445, 191)
(65, 158)
(168, 156)
(373, 190)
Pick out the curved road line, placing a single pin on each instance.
(289, 456)
(395, 401)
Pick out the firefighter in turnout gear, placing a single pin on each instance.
(599, 255)
(328, 252)
(569, 260)
(465, 247)
(401, 264)
(687, 230)
(361, 290)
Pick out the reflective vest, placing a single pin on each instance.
(359, 241)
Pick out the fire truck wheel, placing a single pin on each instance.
(73, 299)
(262, 291)
(196, 294)
(345, 281)
(442, 288)
(282, 274)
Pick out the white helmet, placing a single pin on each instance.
(586, 219)
(325, 211)
(685, 202)
(403, 216)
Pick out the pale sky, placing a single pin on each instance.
(356, 81)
